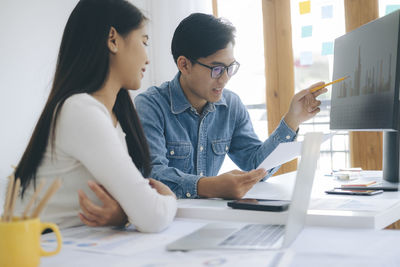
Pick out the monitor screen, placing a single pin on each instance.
(368, 99)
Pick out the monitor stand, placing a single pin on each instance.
(391, 157)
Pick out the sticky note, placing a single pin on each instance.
(327, 12)
(306, 58)
(391, 8)
(327, 48)
(305, 7)
(306, 31)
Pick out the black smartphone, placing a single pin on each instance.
(259, 204)
(353, 192)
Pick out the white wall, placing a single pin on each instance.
(30, 36)
(164, 18)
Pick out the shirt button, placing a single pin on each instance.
(201, 148)
(226, 148)
(172, 152)
(188, 194)
(287, 137)
(201, 173)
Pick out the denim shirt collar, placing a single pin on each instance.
(179, 102)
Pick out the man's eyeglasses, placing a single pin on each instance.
(218, 71)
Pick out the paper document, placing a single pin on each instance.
(105, 246)
(285, 152)
(116, 241)
(352, 204)
(204, 258)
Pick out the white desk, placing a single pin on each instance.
(314, 247)
(386, 212)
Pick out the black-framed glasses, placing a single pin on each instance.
(218, 71)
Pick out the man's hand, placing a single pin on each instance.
(304, 106)
(161, 188)
(230, 185)
(110, 214)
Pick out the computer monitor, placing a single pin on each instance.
(369, 99)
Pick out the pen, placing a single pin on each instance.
(322, 86)
(384, 188)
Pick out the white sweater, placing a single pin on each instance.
(89, 147)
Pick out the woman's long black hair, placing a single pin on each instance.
(82, 67)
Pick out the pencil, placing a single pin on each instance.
(13, 199)
(8, 197)
(50, 192)
(37, 191)
(325, 85)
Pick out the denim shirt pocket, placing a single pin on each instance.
(220, 147)
(178, 154)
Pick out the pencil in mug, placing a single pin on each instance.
(13, 199)
(50, 192)
(10, 190)
(9, 196)
(325, 85)
(37, 191)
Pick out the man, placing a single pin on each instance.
(192, 122)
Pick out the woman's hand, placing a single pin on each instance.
(110, 214)
(304, 106)
(161, 188)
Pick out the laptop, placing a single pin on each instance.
(230, 235)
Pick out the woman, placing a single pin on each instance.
(89, 129)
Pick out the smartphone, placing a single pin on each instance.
(259, 204)
(341, 191)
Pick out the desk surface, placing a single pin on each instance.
(371, 212)
(315, 246)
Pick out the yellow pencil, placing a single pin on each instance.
(325, 85)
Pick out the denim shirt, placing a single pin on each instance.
(185, 145)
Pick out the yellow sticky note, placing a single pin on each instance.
(305, 7)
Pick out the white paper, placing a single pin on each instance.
(285, 152)
(228, 258)
(325, 246)
(86, 246)
(352, 204)
(116, 241)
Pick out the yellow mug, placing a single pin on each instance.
(20, 242)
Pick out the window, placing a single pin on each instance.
(315, 25)
(388, 6)
(249, 83)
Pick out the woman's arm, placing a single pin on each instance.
(85, 131)
(111, 213)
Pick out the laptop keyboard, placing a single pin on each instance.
(255, 235)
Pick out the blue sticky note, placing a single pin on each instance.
(306, 31)
(306, 58)
(327, 12)
(327, 48)
(391, 8)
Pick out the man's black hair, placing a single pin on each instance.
(200, 35)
